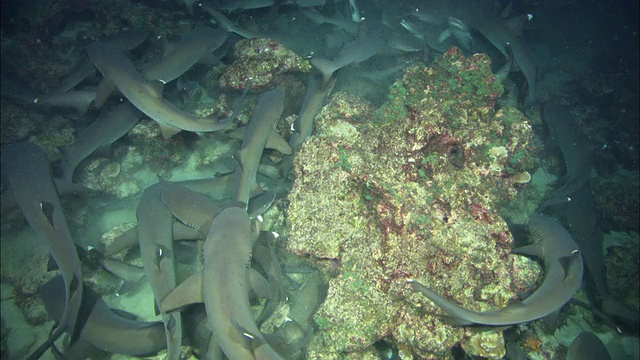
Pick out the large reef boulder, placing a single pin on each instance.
(259, 63)
(413, 191)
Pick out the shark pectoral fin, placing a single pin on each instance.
(514, 304)
(325, 66)
(131, 286)
(259, 284)
(260, 203)
(188, 292)
(552, 320)
(277, 142)
(168, 131)
(567, 261)
(238, 133)
(52, 264)
(104, 90)
(444, 36)
(454, 320)
(189, 207)
(530, 250)
(47, 209)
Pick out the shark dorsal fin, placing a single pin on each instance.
(188, 292)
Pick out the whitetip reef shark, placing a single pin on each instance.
(147, 96)
(370, 41)
(487, 20)
(563, 277)
(155, 235)
(177, 58)
(587, 346)
(103, 132)
(574, 200)
(263, 121)
(223, 287)
(26, 170)
(104, 328)
(317, 93)
(227, 252)
(123, 40)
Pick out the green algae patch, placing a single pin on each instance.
(409, 191)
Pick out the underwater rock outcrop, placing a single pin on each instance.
(413, 192)
(258, 62)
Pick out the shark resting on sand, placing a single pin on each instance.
(563, 276)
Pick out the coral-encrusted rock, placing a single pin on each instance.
(411, 195)
(258, 62)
